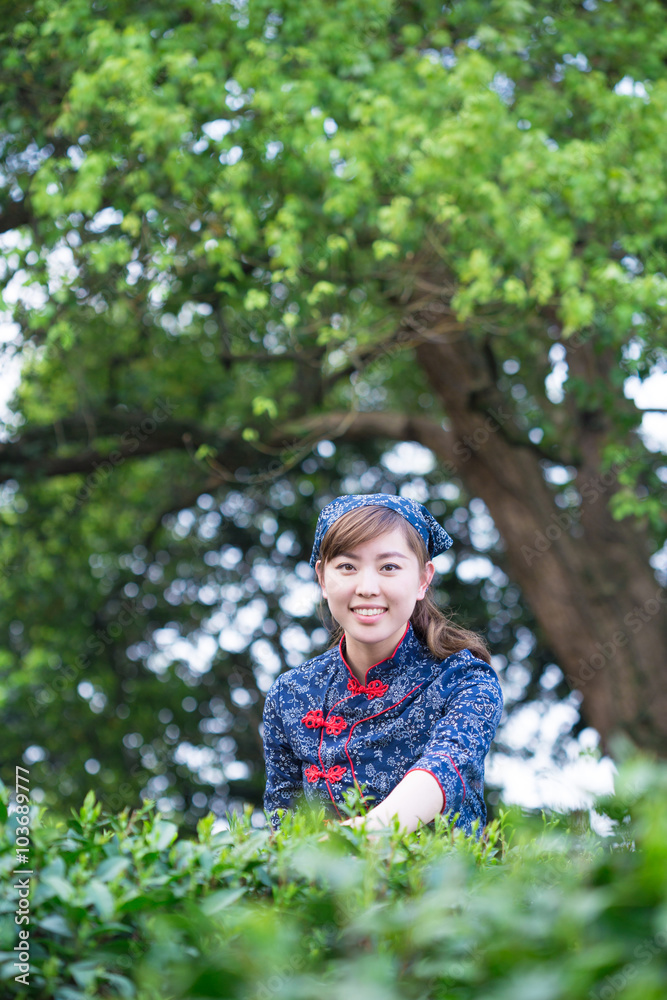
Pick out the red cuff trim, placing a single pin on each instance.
(462, 781)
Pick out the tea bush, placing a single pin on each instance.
(540, 907)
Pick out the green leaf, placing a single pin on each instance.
(57, 886)
(385, 248)
(85, 972)
(88, 804)
(138, 901)
(122, 984)
(320, 290)
(55, 924)
(98, 894)
(261, 404)
(205, 451)
(256, 298)
(220, 900)
(162, 835)
(108, 869)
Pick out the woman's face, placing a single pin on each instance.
(373, 590)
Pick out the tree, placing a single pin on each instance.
(242, 231)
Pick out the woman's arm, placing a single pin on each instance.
(456, 752)
(452, 761)
(416, 798)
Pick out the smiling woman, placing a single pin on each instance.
(359, 527)
(435, 702)
(372, 597)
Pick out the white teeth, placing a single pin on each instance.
(370, 612)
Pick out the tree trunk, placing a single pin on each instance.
(587, 578)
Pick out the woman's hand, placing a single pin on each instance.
(353, 821)
(373, 821)
(356, 822)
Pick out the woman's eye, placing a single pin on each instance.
(350, 566)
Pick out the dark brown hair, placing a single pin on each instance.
(430, 624)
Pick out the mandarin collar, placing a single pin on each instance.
(409, 648)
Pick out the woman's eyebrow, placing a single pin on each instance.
(383, 555)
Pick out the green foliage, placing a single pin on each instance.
(121, 906)
(280, 161)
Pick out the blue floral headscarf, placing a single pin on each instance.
(435, 537)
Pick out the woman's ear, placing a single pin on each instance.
(426, 577)
(320, 577)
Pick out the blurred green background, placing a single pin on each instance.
(259, 255)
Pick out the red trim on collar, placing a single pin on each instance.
(340, 650)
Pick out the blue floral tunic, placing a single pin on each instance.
(324, 731)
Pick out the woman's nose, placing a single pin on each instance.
(367, 582)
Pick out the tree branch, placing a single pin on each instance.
(396, 426)
(137, 434)
(232, 459)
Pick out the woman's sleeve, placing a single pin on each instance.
(283, 768)
(461, 737)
